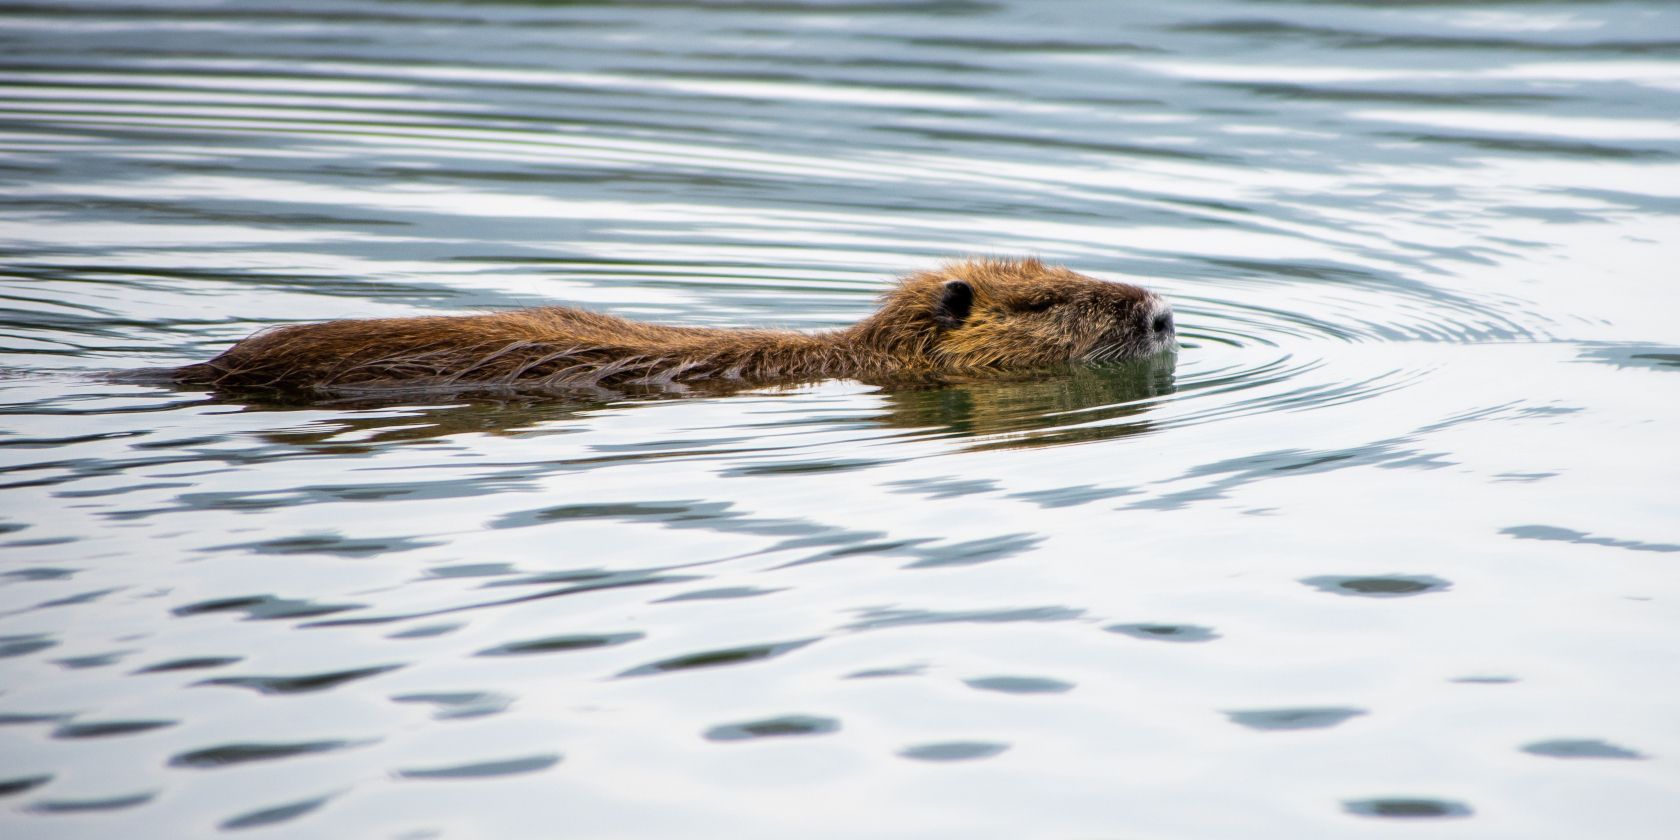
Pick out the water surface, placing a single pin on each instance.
(1392, 548)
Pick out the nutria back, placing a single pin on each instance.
(965, 317)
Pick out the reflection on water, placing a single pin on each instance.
(1064, 405)
(1388, 542)
(1082, 404)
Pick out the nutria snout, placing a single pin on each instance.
(966, 317)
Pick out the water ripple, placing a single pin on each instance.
(230, 754)
(1415, 255)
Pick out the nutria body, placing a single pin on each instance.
(967, 317)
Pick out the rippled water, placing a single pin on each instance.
(1393, 548)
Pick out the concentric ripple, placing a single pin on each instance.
(1386, 541)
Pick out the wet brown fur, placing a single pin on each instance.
(1024, 314)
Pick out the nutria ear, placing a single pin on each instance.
(955, 300)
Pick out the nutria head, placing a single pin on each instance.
(985, 313)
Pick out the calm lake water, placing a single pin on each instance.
(1394, 551)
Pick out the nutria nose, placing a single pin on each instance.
(1163, 323)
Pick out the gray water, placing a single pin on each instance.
(1394, 551)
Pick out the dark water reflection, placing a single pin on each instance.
(1388, 542)
(1089, 404)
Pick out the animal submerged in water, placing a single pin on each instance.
(965, 318)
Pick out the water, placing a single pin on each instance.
(1391, 550)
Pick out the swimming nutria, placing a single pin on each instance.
(968, 316)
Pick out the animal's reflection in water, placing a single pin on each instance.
(1042, 408)
(1068, 406)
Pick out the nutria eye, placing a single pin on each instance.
(1034, 306)
(956, 300)
(1162, 323)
